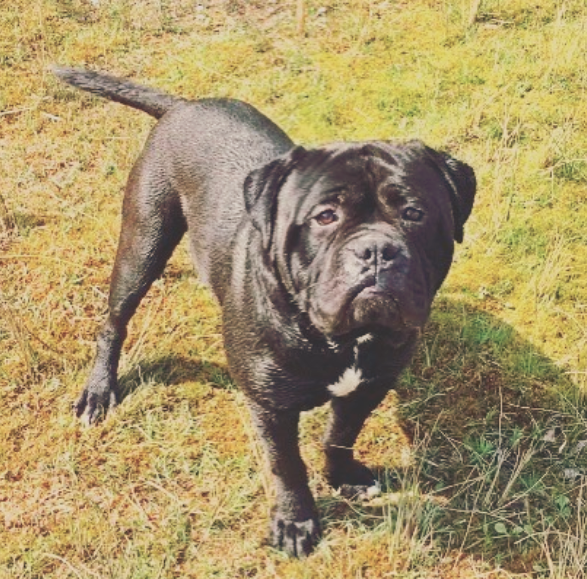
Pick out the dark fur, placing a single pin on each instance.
(323, 260)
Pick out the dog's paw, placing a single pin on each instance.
(353, 479)
(93, 404)
(360, 492)
(296, 538)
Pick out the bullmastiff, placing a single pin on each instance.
(325, 262)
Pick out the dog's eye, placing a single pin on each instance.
(412, 214)
(326, 217)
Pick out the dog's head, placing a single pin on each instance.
(361, 236)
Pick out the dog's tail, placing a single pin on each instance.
(146, 99)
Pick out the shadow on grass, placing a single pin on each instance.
(171, 370)
(498, 443)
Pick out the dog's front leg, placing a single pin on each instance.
(349, 413)
(295, 527)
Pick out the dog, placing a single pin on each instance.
(325, 263)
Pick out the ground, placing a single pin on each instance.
(480, 450)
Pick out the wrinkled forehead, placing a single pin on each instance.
(357, 169)
(327, 167)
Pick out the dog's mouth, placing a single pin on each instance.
(372, 289)
(368, 288)
(365, 306)
(374, 305)
(371, 302)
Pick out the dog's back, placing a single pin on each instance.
(208, 147)
(200, 152)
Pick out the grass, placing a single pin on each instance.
(481, 451)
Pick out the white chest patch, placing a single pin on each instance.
(347, 383)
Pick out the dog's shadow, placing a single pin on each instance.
(171, 370)
(497, 439)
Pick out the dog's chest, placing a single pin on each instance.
(352, 377)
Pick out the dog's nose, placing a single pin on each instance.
(372, 252)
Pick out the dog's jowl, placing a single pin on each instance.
(325, 263)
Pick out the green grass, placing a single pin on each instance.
(481, 449)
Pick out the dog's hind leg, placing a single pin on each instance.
(152, 226)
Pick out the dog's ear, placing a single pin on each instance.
(462, 184)
(262, 186)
